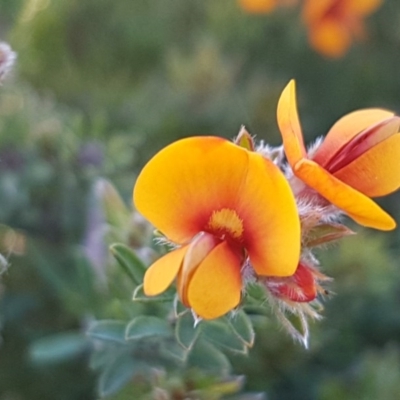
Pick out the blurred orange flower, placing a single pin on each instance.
(263, 6)
(219, 204)
(358, 159)
(333, 24)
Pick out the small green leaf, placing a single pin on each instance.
(244, 139)
(146, 326)
(206, 356)
(185, 330)
(175, 350)
(221, 333)
(108, 330)
(129, 261)
(58, 348)
(119, 372)
(138, 295)
(241, 324)
(296, 325)
(326, 233)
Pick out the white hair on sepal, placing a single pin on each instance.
(313, 147)
(7, 60)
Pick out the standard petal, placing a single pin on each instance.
(161, 274)
(289, 124)
(215, 287)
(345, 129)
(271, 223)
(197, 251)
(358, 206)
(377, 171)
(182, 185)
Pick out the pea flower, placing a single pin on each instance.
(222, 207)
(333, 24)
(358, 159)
(263, 6)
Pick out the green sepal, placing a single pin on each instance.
(145, 326)
(129, 262)
(326, 233)
(244, 139)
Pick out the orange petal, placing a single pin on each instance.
(363, 7)
(377, 171)
(315, 10)
(330, 37)
(182, 185)
(345, 129)
(198, 250)
(161, 274)
(216, 285)
(270, 218)
(358, 206)
(289, 124)
(257, 6)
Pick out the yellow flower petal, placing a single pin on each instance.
(161, 274)
(270, 218)
(377, 171)
(289, 124)
(215, 287)
(345, 129)
(181, 186)
(355, 204)
(197, 251)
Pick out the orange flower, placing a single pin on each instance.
(333, 24)
(219, 203)
(263, 6)
(358, 159)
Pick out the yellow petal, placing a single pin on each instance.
(270, 218)
(197, 251)
(377, 171)
(358, 206)
(215, 287)
(345, 129)
(181, 186)
(289, 124)
(161, 274)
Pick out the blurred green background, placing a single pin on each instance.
(99, 87)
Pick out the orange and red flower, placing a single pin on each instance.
(219, 204)
(333, 24)
(263, 6)
(358, 159)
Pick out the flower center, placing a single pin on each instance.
(226, 222)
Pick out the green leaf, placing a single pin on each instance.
(108, 330)
(185, 330)
(222, 334)
(146, 326)
(205, 355)
(58, 348)
(295, 324)
(139, 295)
(242, 326)
(119, 372)
(174, 350)
(129, 261)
